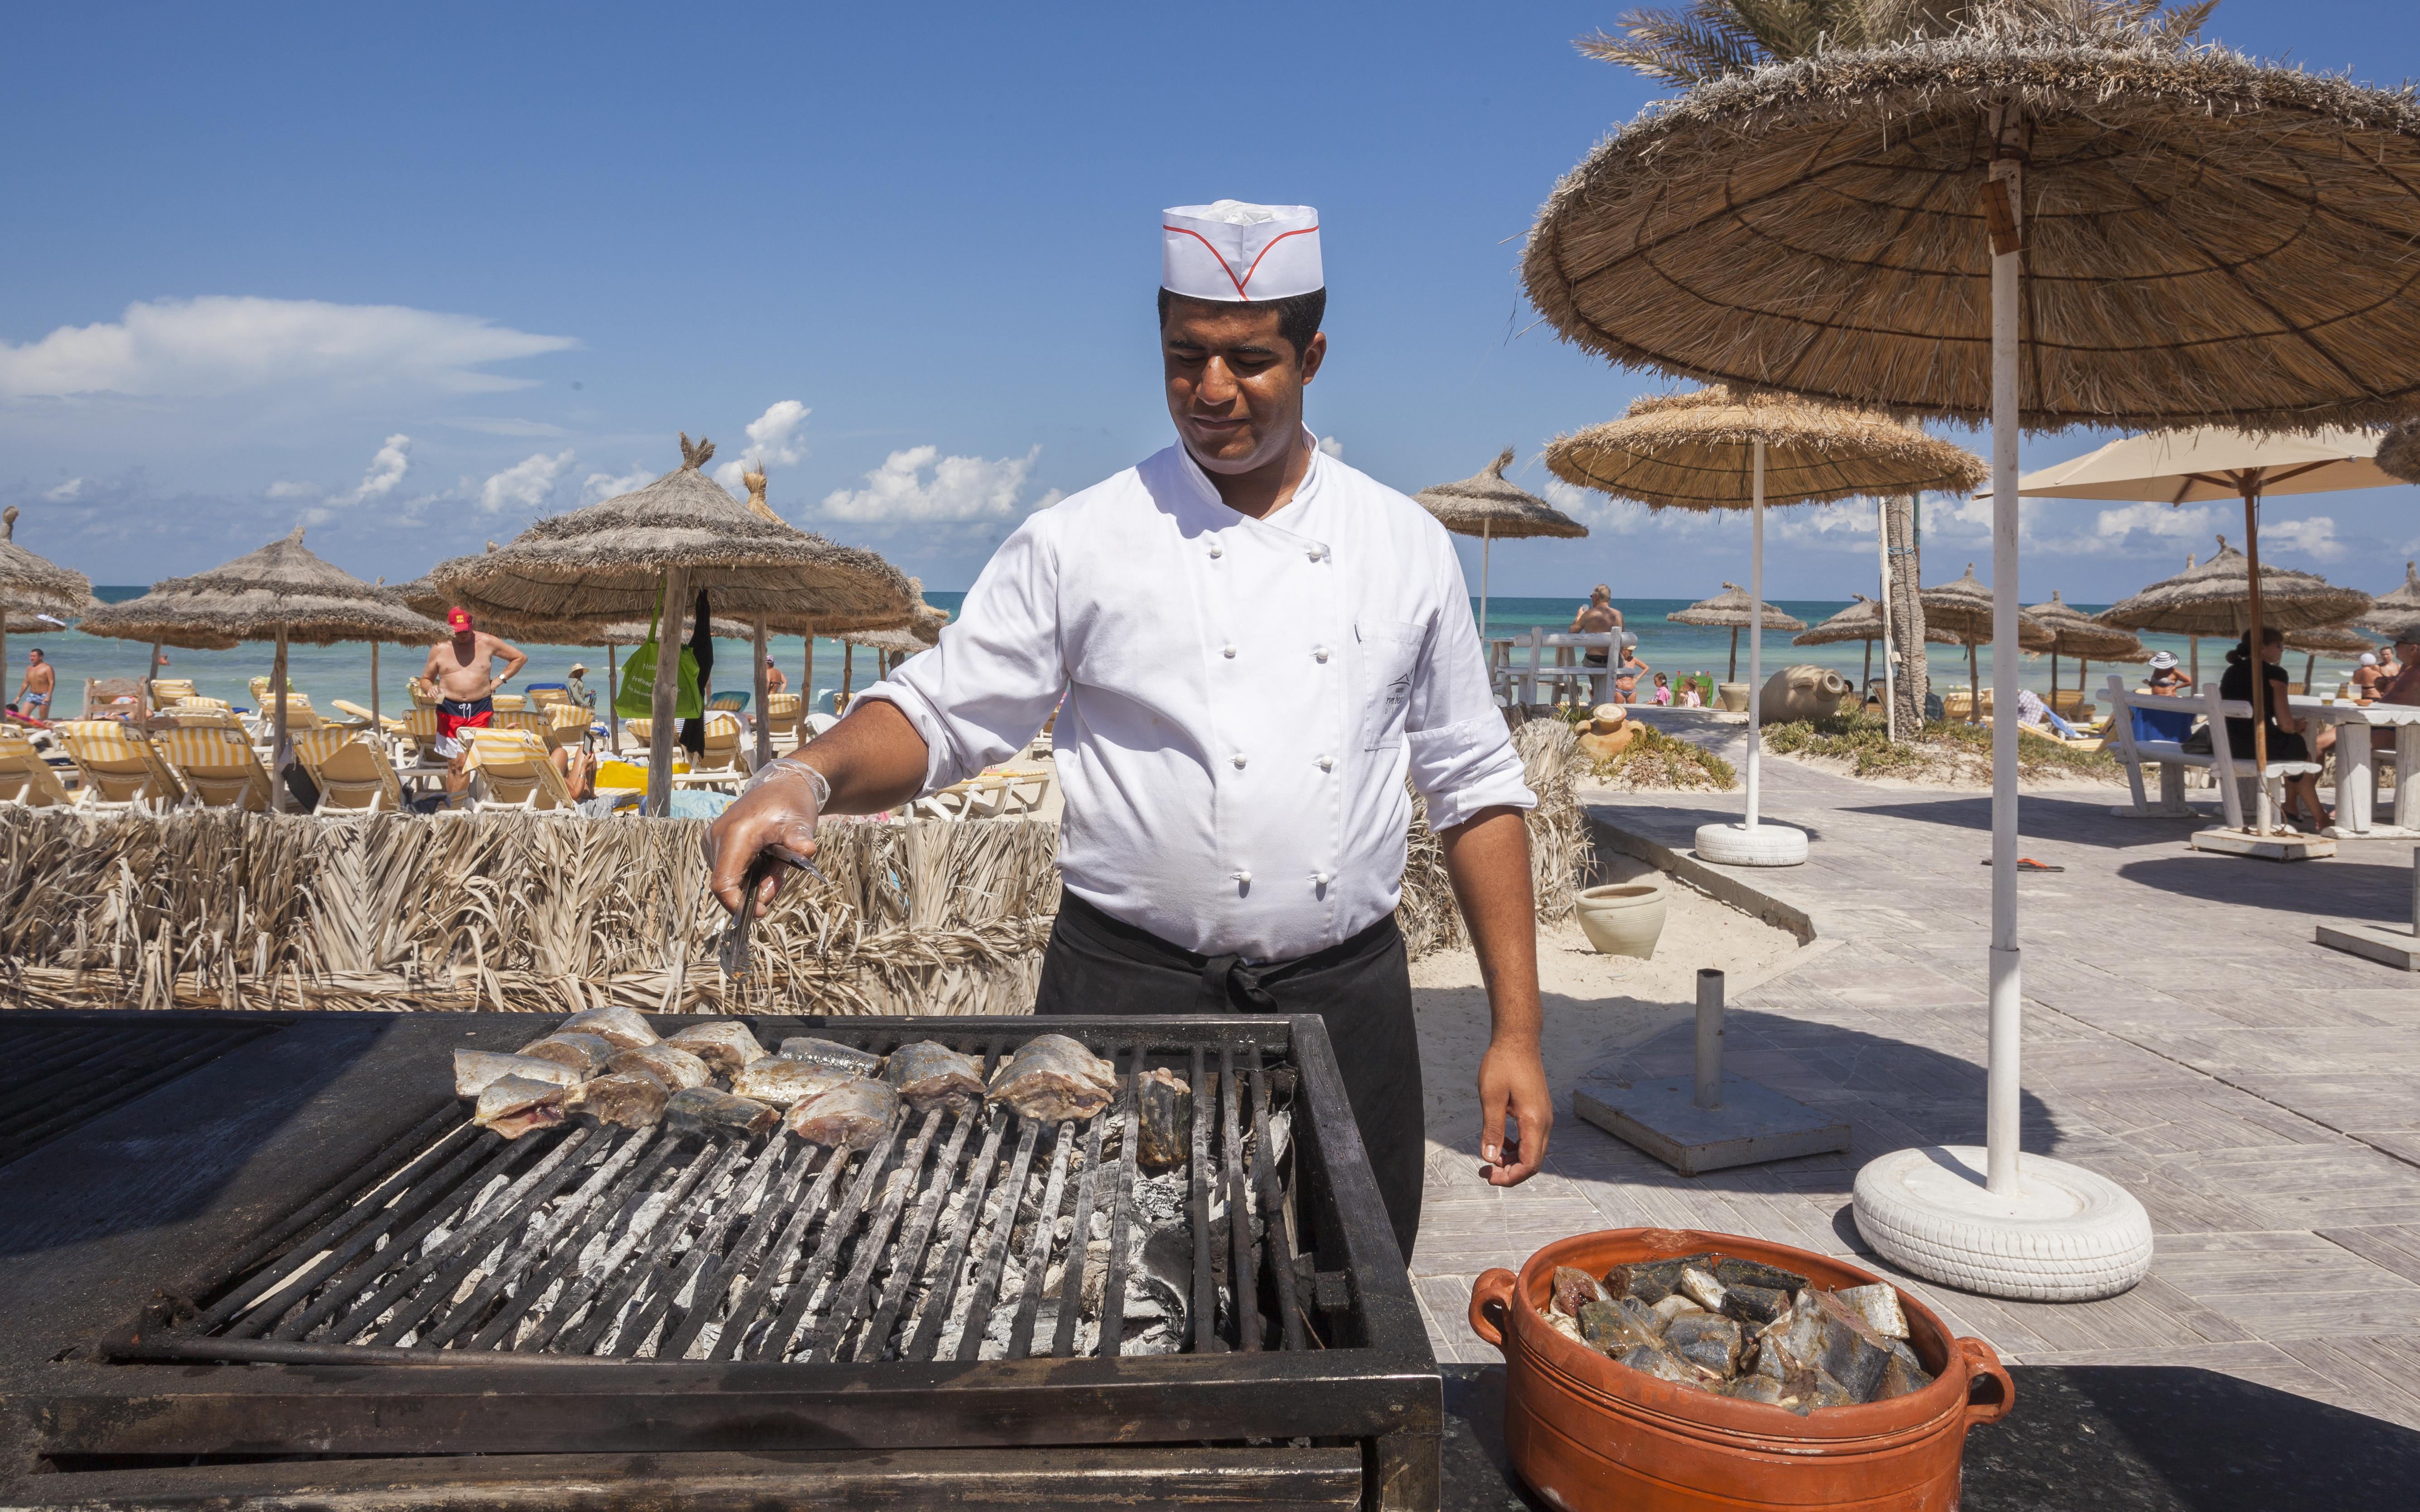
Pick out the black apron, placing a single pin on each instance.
(1362, 988)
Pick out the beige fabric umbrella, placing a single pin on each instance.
(1485, 505)
(617, 561)
(281, 593)
(2085, 638)
(31, 586)
(1861, 621)
(1963, 609)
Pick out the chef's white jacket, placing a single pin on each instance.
(1244, 699)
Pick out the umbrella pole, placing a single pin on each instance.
(848, 674)
(377, 726)
(1974, 679)
(2259, 665)
(1487, 540)
(1732, 677)
(151, 675)
(807, 686)
(763, 719)
(2310, 667)
(1890, 674)
(2193, 661)
(613, 686)
(659, 731)
(277, 738)
(1755, 626)
(2001, 1108)
(1866, 681)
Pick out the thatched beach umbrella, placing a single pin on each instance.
(1485, 505)
(1715, 449)
(281, 592)
(2396, 609)
(2085, 638)
(32, 586)
(1861, 621)
(657, 546)
(2398, 451)
(2215, 599)
(2326, 641)
(1963, 609)
(1731, 610)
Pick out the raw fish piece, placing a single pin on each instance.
(1662, 1367)
(1794, 1340)
(1755, 1305)
(1573, 1287)
(1904, 1374)
(1700, 1287)
(1878, 1305)
(675, 1068)
(1734, 1272)
(1852, 1353)
(1706, 1341)
(1816, 1388)
(632, 1099)
(1675, 1305)
(1052, 1078)
(622, 1026)
(704, 1110)
(476, 1071)
(1652, 1281)
(1613, 1327)
(930, 1076)
(851, 1116)
(583, 1053)
(1164, 1117)
(826, 1052)
(782, 1083)
(1763, 1389)
(724, 1044)
(1562, 1325)
(513, 1105)
(1768, 1358)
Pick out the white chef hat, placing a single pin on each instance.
(1236, 252)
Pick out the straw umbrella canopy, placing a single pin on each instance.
(1964, 609)
(1731, 610)
(2049, 214)
(1485, 505)
(2085, 638)
(32, 585)
(2397, 609)
(2326, 641)
(2215, 599)
(622, 559)
(2398, 452)
(282, 593)
(1861, 621)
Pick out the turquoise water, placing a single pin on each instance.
(331, 673)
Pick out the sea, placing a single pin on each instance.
(327, 673)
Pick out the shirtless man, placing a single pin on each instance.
(34, 694)
(1597, 617)
(457, 672)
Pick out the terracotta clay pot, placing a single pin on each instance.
(1587, 1433)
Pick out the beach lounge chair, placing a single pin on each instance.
(548, 695)
(514, 773)
(167, 690)
(782, 709)
(636, 733)
(731, 703)
(352, 772)
(115, 698)
(26, 779)
(528, 719)
(204, 714)
(567, 724)
(119, 765)
(217, 766)
(509, 703)
(723, 763)
(196, 703)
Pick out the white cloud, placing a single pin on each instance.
(73, 489)
(285, 489)
(528, 483)
(958, 489)
(773, 440)
(599, 487)
(387, 467)
(208, 346)
(2314, 537)
(504, 426)
(1332, 447)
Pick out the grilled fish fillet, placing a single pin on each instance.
(513, 1105)
(782, 1082)
(583, 1053)
(724, 1044)
(1052, 1078)
(476, 1071)
(622, 1026)
(930, 1076)
(669, 1064)
(851, 1116)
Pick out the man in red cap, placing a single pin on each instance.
(458, 673)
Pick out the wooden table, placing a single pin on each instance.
(2356, 779)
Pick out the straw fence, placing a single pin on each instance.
(511, 912)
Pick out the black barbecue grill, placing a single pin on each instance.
(972, 1284)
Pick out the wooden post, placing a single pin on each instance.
(378, 727)
(278, 740)
(2260, 664)
(612, 718)
(848, 673)
(807, 686)
(1733, 676)
(764, 716)
(1975, 683)
(669, 640)
(151, 675)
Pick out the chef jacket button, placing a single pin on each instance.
(1317, 552)
(1244, 877)
(1319, 652)
(1229, 652)
(1217, 550)
(1321, 879)
(1327, 763)
(1239, 761)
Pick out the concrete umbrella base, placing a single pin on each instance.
(2064, 1235)
(1739, 846)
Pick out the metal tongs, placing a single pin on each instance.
(734, 950)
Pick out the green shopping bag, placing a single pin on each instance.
(636, 698)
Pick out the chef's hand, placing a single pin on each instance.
(778, 807)
(1512, 1080)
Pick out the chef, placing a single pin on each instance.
(1251, 646)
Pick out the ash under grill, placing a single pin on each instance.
(955, 1236)
(63, 1073)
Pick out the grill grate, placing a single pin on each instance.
(60, 1076)
(954, 1237)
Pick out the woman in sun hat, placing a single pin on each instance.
(2166, 680)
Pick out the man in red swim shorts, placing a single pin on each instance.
(457, 670)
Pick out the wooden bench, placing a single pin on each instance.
(2172, 758)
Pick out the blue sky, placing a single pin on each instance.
(415, 275)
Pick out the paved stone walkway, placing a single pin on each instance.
(2261, 1094)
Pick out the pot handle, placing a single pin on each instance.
(1491, 1298)
(1983, 1363)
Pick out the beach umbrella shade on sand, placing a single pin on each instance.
(656, 547)
(1963, 609)
(1713, 448)
(2047, 215)
(1485, 505)
(2077, 634)
(1861, 621)
(32, 586)
(281, 593)
(1732, 609)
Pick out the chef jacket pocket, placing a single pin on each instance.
(1390, 654)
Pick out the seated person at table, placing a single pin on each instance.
(2366, 678)
(2165, 679)
(2286, 732)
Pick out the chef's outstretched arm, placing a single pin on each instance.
(1487, 856)
(870, 761)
